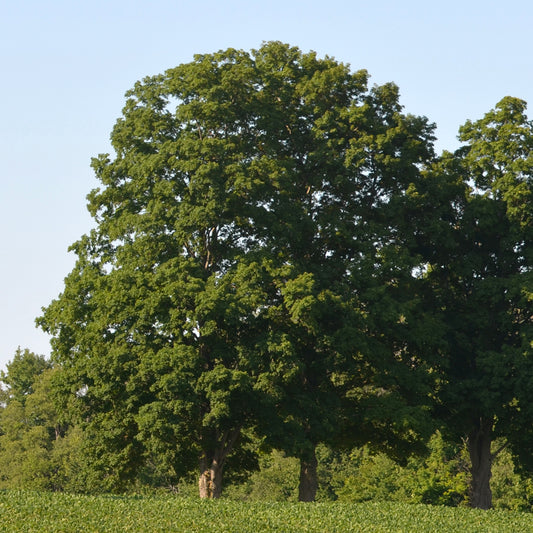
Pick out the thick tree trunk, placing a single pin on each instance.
(210, 479)
(204, 478)
(216, 479)
(308, 478)
(479, 442)
(212, 465)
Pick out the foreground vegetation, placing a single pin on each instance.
(28, 511)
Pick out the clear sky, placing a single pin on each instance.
(66, 64)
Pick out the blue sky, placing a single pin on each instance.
(65, 66)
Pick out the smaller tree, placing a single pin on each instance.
(480, 267)
(22, 373)
(34, 450)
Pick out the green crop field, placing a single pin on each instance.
(47, 512)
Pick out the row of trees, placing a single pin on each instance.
(38, 451)
(279, 255)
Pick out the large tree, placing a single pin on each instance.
(249, 206)
(481, 264)
(347, 318)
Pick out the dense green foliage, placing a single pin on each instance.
(37, 453)
(248, 271)
(287, 286)
(439, 478)
(481, 274)
(37, 449)
(28, 511)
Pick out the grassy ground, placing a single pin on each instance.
(46, 512)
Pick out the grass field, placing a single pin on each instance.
(47, 512)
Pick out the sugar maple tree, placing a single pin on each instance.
(246, 253)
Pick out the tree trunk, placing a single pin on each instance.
(204, 478)
(216, 479)
(308, 478)
(212, 465)
(210, 479)
(479, 442)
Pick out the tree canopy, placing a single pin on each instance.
(279, 257)
(482, 279)
(244, 230)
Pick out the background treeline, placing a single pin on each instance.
(281, 261)
(38, 451)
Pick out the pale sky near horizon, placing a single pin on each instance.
(66, 64)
